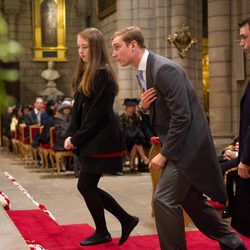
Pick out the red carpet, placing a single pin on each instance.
(38, 226)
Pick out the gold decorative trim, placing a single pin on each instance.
(205, 75)
(182, 40)
(49, 30)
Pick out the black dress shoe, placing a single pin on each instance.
(96, 239)
(127, 229)
(240, 247)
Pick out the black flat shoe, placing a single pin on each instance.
(96, 239)
(226, 213)
(127, 229)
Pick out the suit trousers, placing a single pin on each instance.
(175, 192)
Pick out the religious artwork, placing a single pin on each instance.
(182, 40)
(49, 30)
(49, 23)
(105, 8)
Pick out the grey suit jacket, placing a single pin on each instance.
(183, 128)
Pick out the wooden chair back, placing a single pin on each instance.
(23, 133)
(34, 130)
(17, 133)
(52, 137)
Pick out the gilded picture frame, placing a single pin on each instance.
(105, 8)
(49, 30)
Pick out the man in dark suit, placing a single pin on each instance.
(35, 114)
(34, 117)
(241, 211)
(190, 167)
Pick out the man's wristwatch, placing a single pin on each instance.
(142, 109)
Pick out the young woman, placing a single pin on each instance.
(94, 134)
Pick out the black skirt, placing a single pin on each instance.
(101, 165)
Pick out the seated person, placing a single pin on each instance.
(47, 121)
(229, 160)
(134, 138)
(62, 122)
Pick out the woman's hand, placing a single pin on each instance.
(67, 143)
(229, 155)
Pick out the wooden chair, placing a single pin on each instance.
(156, 174)
(234, 169)
(5, 142)
(56, 156)
(16, 141)
(34, 130)
(44, 152)
(25, 144)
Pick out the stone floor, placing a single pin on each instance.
(62, 199)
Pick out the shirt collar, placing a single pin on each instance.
(143, 63)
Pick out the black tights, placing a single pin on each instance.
(97, 200)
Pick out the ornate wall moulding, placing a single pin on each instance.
(182, 40)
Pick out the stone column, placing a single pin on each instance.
(83, 8)
(220, 86)
(188, 13)
(125, 75)
(11, 9)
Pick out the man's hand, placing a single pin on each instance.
(157, 162)
(147, 98)
(244, 171)
(67, 144)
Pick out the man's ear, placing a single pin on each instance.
(133, 44)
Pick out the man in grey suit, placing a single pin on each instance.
(188, 160)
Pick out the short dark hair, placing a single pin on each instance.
(244, 21)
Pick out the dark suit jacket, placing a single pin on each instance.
(244, 147)
(183, 128)
(241, 211)
(31, 119)
(94, 127)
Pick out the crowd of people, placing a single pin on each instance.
(47, 114)
(135, 125)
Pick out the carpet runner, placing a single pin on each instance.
(36, 226)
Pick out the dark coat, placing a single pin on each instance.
(94, 127)
(241, 212)
(131, 130)
(32, 120)
(183, 128)
(47, 121)
(6, 125)
(61, 126)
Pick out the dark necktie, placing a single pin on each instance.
(141, 79)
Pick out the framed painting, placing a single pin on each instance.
(49, 30)
(105, 8)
